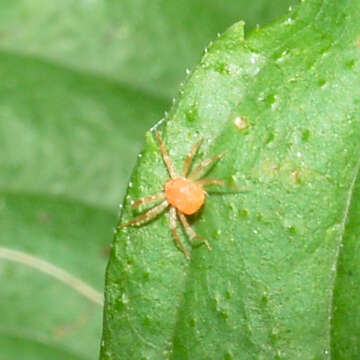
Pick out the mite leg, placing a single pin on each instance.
(206, 182)
(144, 200)
(218, 182)
(190, 157)
(166, 157)
(148, 215)
(204, 164)
(175, 235)
(190, 231)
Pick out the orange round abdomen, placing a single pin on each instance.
(186, 195)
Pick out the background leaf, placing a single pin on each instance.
(276, 285)
(80, 84)
(143, 45)
(51, 300)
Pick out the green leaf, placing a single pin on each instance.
(70, 130)
(281, 279)
(60, 138)
(81, 81)
(142, 45)
(51, 301)
(345, 330)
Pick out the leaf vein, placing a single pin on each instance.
(54, 271)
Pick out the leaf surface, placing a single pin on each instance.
(276, 283)
(80, 84)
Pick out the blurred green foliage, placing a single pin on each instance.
(81, 82)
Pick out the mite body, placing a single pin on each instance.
(183, 194)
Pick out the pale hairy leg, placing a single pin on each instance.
(148, 215)
(190, 231)
(175, 234)
(190, 157)
(209, 182)
(166, 157)
(205, 163)
(144, 200)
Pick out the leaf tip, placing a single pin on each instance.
(237, 31)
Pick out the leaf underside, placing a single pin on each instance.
(282, 279)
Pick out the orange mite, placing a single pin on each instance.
(184, 194)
